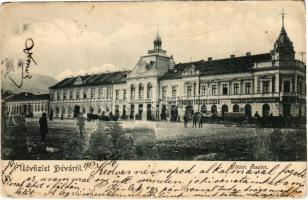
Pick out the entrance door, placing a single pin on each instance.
(174, 113)
(224, 109)
(286, 109)
(214, 110)
(140, 111)
(248, 110)
(163, 115)
(76, 111)
(132, 112)
(149, 112)
(265, 110)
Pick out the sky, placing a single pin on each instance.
(79, 38)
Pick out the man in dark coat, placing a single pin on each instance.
(195, 120)
(43, 126)
(185, 120)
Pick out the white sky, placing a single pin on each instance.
(79, 38)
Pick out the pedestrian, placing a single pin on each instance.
(43, 126)
(81, 124)
(257, 114)
(201, 120)
(185, 120)
(270, 120)
(195, 120)
(51, 115)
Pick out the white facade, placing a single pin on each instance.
(156, 88)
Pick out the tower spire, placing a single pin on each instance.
(282, 17)
(157, 32)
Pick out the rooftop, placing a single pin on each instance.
(219, 66)
(93, 79)
(26, 96)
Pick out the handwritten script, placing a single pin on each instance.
(86, 179)
(25, 73)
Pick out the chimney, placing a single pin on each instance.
(232, 56)
(248, 54)
(209, 58)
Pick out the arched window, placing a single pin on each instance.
(132, 92)
(214, 109)
(140, 91)
(265, 110)
(203, 108)
(149, 91)
(236, 108)
(224, 109)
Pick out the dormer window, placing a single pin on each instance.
(78, 81)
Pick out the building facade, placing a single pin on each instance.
(27, 104)
(158, 89)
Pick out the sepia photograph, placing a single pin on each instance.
(140, 81)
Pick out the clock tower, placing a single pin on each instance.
(156, 62)
(143, 81)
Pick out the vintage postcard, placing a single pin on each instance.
(172, 99)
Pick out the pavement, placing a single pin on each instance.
(164, 130)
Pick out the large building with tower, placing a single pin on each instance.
(158, 89)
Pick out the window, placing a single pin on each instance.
(265, 86)
(224, 89)
(189, 90)
(71, 94)
(203, 90)
(124, 94)
(236, 108)
(149, 91)
(132, 92)
(85, 91)
(100, 93)
(64, 94)
(164, 92)
(286, 86)
(117, 93)
(214, 88)
(140, 91)
(248, 88)
(58, 95)
(51, 96)
(92, 93)
(108, 93)
(235, 88)
(173, 91)
(78, 94)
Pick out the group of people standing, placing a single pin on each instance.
(196, 118)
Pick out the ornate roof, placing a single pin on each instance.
(284, 46)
